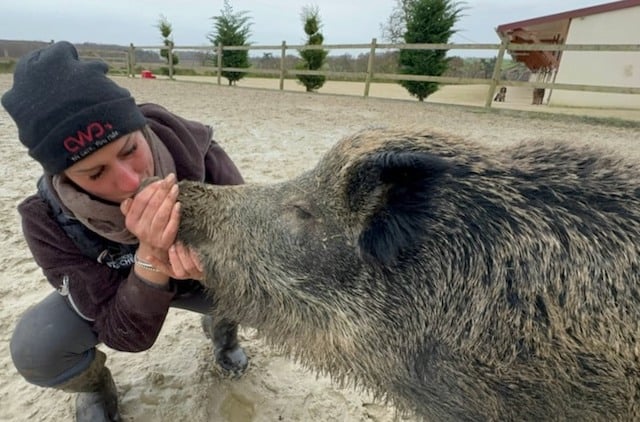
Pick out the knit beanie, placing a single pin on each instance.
(66, 109)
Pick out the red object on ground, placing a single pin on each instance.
(147, 74)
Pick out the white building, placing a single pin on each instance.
(611, 23)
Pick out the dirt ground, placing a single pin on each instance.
(517, 98)
(272, 136)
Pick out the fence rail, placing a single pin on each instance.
(370, 74)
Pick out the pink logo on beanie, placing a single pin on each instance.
(95, 135)
(93, 131)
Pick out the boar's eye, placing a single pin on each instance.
(302, 213)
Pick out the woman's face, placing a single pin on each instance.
(115, 171)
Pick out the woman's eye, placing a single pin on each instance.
(96, 176)
(131, 150)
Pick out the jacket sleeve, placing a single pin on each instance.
(219, 169)
(190, 141)
(126, 313)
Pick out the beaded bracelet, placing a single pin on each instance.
(144, 264)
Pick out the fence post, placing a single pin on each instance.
(131, 61)
(170, 57)
(125, 61)
(372, 54)
(219, 61)
(553, 81)
(495, 78)
(283, 53)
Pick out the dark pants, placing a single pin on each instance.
(52, 343)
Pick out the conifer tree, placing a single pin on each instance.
(316, 58)
(167, 39)
(232, 29)
(427, 22)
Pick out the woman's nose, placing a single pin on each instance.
(128, 179)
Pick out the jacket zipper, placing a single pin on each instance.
(65, 291)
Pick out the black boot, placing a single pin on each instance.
(228, 353)
(97, 399)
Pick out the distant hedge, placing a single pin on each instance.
(7, 67)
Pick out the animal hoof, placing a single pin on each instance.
(233, 361)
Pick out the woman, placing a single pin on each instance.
(111, 256)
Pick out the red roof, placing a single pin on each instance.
(550, 29)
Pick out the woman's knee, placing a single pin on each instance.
(50, 341)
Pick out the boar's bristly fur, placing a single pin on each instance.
(459, 282)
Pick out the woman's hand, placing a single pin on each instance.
(184, 263)
(153, 216)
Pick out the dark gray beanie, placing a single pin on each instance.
(66, 109)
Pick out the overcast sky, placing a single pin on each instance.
(344, 21)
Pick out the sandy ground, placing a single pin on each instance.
(518, 98)
(272, 136)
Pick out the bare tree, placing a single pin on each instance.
(395, 27)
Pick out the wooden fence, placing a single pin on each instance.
(368, 76)
(119, 59)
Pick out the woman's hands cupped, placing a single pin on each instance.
(153, 214)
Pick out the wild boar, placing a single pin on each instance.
(457, 281)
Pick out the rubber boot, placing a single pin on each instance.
(97, 399)
(227, 351)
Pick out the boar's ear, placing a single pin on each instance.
(390, 191)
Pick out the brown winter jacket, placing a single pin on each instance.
(127, 313)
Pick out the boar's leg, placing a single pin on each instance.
(224, 335)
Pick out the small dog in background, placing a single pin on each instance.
(501, 95)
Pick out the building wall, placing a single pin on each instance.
(601, 68)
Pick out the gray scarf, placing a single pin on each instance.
(101, 217)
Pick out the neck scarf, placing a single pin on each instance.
(102, 217)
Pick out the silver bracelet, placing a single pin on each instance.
(144, 264)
